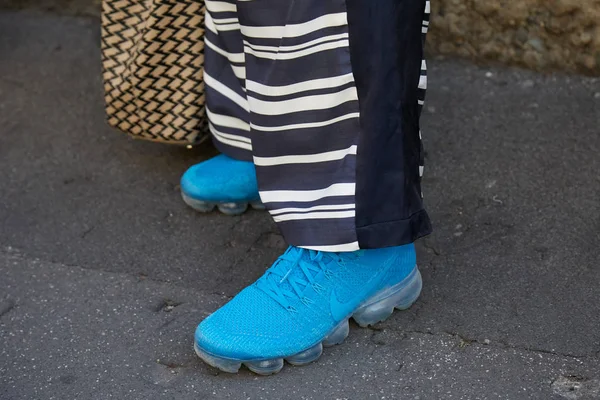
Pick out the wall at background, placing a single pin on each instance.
(537, 34)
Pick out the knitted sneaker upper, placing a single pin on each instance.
(289, 308)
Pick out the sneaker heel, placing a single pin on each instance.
(413, 292)
(400, 296)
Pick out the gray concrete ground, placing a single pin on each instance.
(104, 273)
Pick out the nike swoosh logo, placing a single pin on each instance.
(340, 310)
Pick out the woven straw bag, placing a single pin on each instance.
(152, 62)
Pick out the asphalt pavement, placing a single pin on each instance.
(104, 272)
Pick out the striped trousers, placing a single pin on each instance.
(324, 96)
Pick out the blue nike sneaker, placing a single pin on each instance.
(303, 303)
(222, 182)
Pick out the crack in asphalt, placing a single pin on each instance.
(11, 305)
(465, 341)
(13, 253)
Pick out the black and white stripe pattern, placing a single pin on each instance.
(228, 111)
(423, 81)
(279, 72)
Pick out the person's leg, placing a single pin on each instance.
(333, 91)
(227, 181)
(334, 101)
